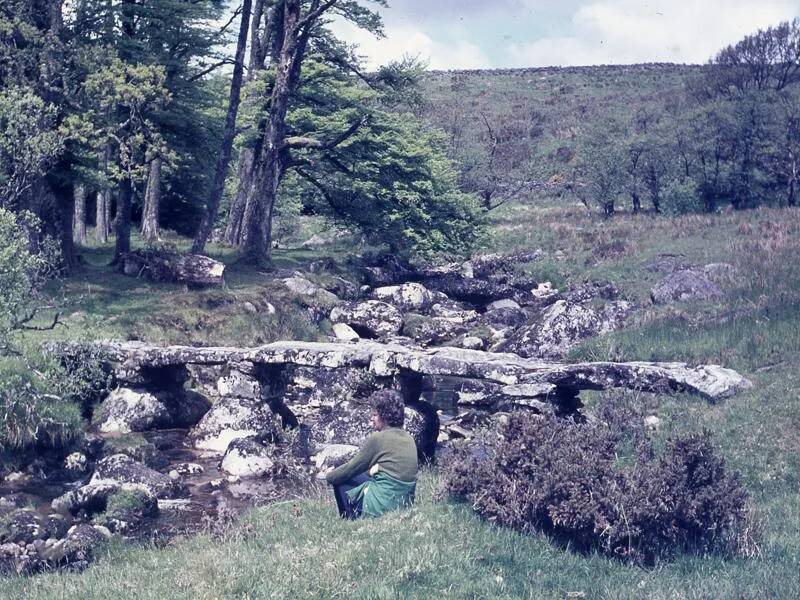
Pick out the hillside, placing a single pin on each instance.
(538, 117)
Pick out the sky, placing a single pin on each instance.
(476, 34)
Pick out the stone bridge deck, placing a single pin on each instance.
(136, 362)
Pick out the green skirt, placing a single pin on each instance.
(382, 493)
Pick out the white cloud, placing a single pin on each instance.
(404, 40)
(631, 31)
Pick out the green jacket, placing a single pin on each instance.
(392, 448)
(394, 451)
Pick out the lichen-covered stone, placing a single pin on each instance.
(688, 284)
(77, 549)
(233, 418)
(563, 325)
(125, 410)
(371, 318)
(408, 297)
(246, 457)
(26, 526)
(123, 470)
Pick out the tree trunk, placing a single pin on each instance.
(65, 201)
(233, 232)
(101, 216)
(79, 215)
(123, 219)
(637, 203)
(152, 200)
(259, 46)
(273, 155)
(229, 133)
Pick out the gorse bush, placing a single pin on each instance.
(563, 478)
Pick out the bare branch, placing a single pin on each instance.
(209, 69)
(308, 142)
(315, 13)
(50, 327)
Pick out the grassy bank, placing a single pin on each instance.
(434, 550)
(439, 549)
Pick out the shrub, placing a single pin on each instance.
(23, 273)
(31, 417)
(563, 478)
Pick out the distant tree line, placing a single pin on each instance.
(731, 138)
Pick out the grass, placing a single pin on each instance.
(434, 550)
(440, 549)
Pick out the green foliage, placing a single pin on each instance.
(23, 273)
(29, 142)
(391, 179)
(134, 91)
(32, 415)
(680, 196)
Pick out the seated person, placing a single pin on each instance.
(383, 475)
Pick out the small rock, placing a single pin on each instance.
(10, 549)
(238, 385)
(125, 410)
(371, 318)
(245, 457)
(188, 469)
(472, 343)
(344, 332)
(334, 455)
(76, 462)
(173, 474)
(234, 418)
(501, 304)
(123, 470)
(77, 548)
(303, 287)
(688, 284)
(543, 291)
(409, 297)
(104, 531)
(652, 422)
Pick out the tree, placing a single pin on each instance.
(783, 156)
(79, 220)
(390, 177)
(296, 20)
(218, 185)
(488, 170)
(29, 143)
(766, 60)
(123, 97)
(602, 175)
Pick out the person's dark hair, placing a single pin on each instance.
(389, 406)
